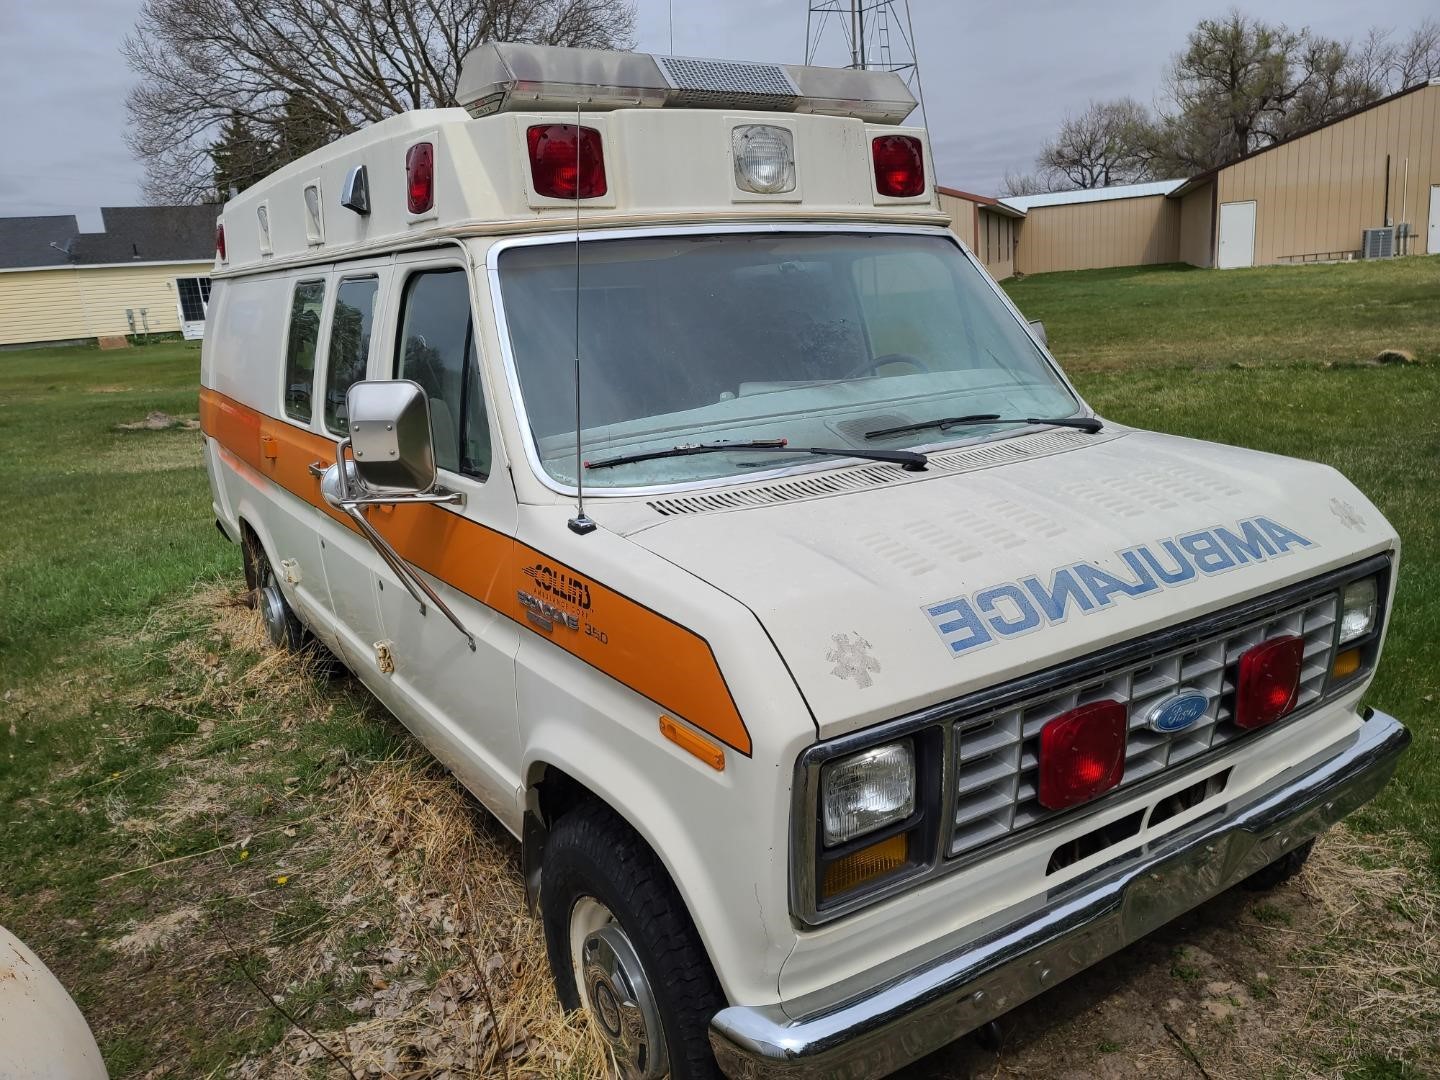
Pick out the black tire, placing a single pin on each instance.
(282, 625)
(593, 853)
(1279, 871)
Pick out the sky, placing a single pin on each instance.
(998, 79)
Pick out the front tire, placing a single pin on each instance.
(623, 947)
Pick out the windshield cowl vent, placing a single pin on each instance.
(861, 477)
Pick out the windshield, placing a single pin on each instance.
(816, 338)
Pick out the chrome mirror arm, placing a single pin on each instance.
(353, 506)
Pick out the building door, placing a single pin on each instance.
(1237, 235)
(1432, 239)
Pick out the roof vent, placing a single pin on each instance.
(511, 77)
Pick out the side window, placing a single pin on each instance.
(349, 345)
(300, 345)
(436, 348)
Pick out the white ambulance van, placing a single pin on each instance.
(640, 436)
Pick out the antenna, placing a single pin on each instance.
(581, 523)
(869, 30)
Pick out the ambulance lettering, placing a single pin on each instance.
(1012, 608)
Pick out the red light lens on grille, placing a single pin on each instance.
(1268, 682)
(899, 166)
(1082, 754)
(561, 169)
(220, 241)
(420, 178)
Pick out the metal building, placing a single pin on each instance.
(1366, 185)
(1313, 197)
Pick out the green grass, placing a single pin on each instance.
(1179, 316)
(1153, 347)
(100, 524)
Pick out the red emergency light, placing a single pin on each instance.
(1082, 754)
(564, 164)
(1268, 681)
(420, 178)
(899, 166)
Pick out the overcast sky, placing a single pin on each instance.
(998, 78)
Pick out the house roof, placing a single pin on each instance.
(1209, 174)
(1084, 195)
(983, 200)
(150, 234)
(36, 241)
(131, 234)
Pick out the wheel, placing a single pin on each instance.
(1279, 871)
(282, 626)
(622, 946)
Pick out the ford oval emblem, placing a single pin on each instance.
(1181, 710)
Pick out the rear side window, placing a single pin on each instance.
(436, 348)
(300, 344)
(349, 346)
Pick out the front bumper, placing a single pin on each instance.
(871, 1031)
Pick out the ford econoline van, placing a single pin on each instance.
(640, 436)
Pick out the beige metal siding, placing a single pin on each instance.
(989, 235)
(1197, 226)
(1314, 195)
(997, 243)
(83, 302)
(1087, 235)
(962, 218)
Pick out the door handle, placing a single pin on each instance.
(317, 469)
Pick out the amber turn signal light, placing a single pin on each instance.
(867, 864)
(1346, 664)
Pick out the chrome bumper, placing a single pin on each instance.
(878, 1029)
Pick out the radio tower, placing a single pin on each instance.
(877, 35)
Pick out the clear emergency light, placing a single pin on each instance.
(511, 77)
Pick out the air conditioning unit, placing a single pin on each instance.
(1378, 243)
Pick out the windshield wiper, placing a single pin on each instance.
(1085, 423)
(909, 460)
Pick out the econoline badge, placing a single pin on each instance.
(1179, 711)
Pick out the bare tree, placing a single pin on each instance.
(1418, 57)
(1026, 184)
(204, 64)
(1099, 147)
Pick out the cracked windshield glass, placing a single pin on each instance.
(814, 338)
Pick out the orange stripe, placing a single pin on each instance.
(654, 656)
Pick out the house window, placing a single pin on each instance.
(194, 295)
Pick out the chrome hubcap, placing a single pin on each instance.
(272, 608)
(614, 989)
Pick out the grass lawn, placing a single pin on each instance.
(191, 818)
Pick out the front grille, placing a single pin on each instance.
(997, 752)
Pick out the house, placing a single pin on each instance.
(147, 271)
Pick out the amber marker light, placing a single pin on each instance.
(693, 743)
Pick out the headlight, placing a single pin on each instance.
(867, 791)
(1358, 604)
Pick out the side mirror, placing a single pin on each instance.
(1038, 329)
(390, 436)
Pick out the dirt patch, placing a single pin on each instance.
(160, 421)
(157, 932)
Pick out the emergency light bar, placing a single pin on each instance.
(511, 77)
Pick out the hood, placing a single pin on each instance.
(885, 600)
